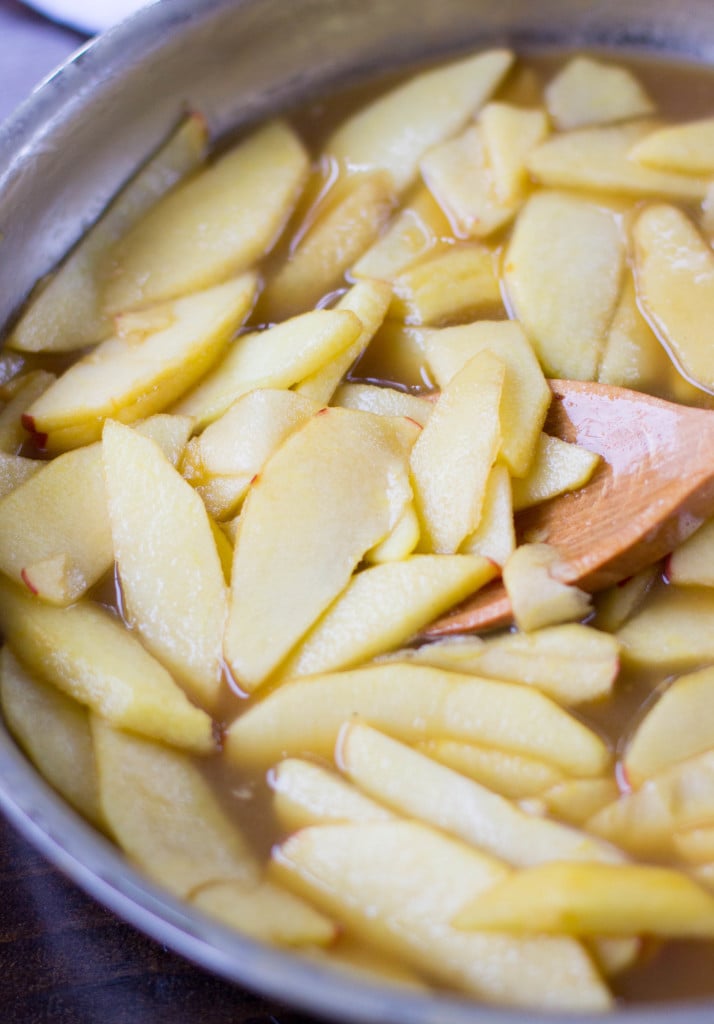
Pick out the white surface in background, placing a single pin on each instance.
(90, 16)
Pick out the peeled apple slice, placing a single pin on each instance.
(686, 148)
(589, 92)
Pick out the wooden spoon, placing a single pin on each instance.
(654, 487)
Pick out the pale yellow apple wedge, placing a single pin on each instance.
(599, 159)
(590, 92)
(65, 311)
(557, 467)
(25, 391)
(692, 563)
(508, 134)
(614, 606)
(332, 491)
(452, 457)
(565, 293)
(87, 653)
(452, 285)
(305, 793)
(419, 228)
(366, 964)
(385, 401)
(571, 663)
(576, 800)
(678, 726)
(526, 395)
(394, 131)
(266, 912)
(278, 357)
(212, 227)
(15, 470)
(173, 591)
(343, 229)
(537, 596)
(383, 607)
(674, 271)
(593, 899)
(633, 356)
(396, 353)
(462, 182)
(495, 536)
(55, 536)
(672, 631)
(685, 148)
(413, 703)
(164, 814)
(126, 378)
(696, 844)
(369, 301)
(400, 542)
(416, 786)
(515, 776)
(399, 884)
(54, 730)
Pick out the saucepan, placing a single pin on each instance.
(66, 152)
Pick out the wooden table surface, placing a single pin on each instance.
(63, 958)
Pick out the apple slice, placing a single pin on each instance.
(526, 395)
(417, 229)
(508, 134)
(674, 270)
(415, 786)
(696, 844)
(593, 899)
(396, 353)
(394, 131)
(266, 912)
(684, 148)
(515, 776)
(128, 379)
(599, 159)
(212, 227)
(54, 730)
(672, 631)
(565, 294)
(452, 285)
(383, 607)
(55, 536)
(369, 301)
(164, 814)
(167, 561)
(589, 92)
(577, 800)
(15, 470)
(572, 663)
(278, 357)
(537, 596)
(692, 563)
(384, 401)
(633, 356)
(646, 821)
(400, 542)
(677, 727)
(495, 536)
(304, 793)
(557, 467)
(397, 885)
(26, 390)
(413, 703)
(345, 224)
(64, 312)
(452, 457)
(462, 182)
(87, 653)
(294, 554)
(367, 965)
(614, 606)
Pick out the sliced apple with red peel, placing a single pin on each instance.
(394, 131)
(382, 607)
(87, 653)
(54, 730)
(557, 467)
(278, 357)
(357, 464)
(677, 727)
(567, 333)
(416, 786)
(590, 92)
(398, 884)
(167, 561)
(513, 775)
(526, 395)
(305, 793)
(165, 815)
(55, 536)
(646, 820)
(593, 899)
(125, 380)
(413, 703)
(28, 389)
(213, 226)
(64, 312)
(672, 631)
(452, 457)
(266, 912)
(537, 595)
